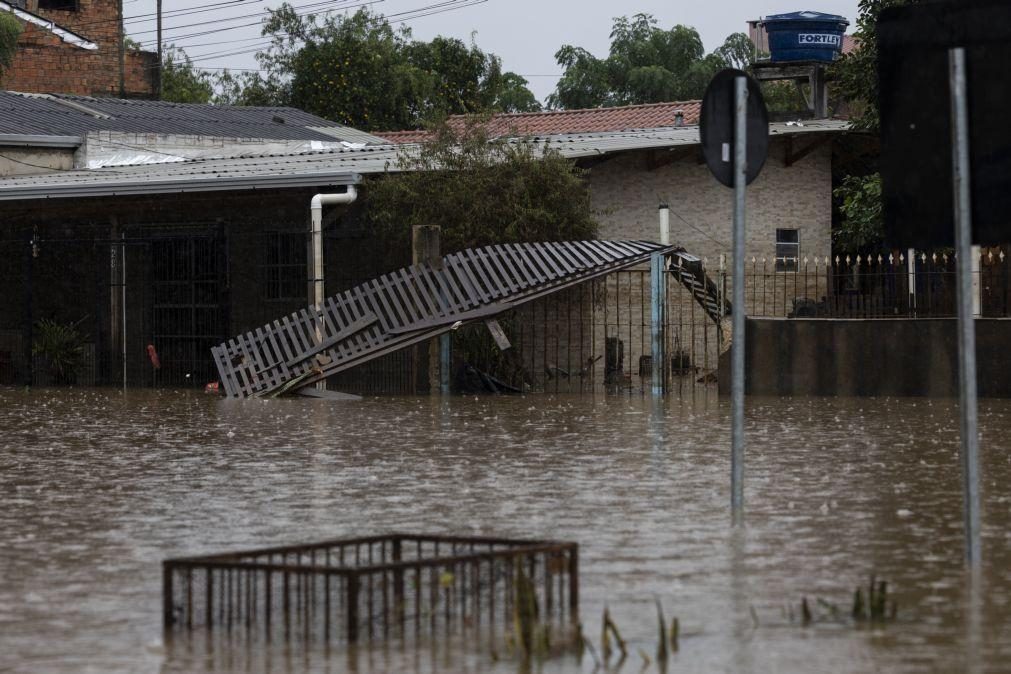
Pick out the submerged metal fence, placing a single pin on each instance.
(393, 586)
(874, 286)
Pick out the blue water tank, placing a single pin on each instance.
(805, 36)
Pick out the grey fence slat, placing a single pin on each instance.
(520, 274)
(405, 281)
(481, 274)
(458, 294)
(404, 299)
(488, 255)
(387, 315)
(473, 287)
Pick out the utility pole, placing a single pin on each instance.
(122, 50)
(159, 71)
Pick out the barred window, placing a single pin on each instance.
(284, 271)
(787, 249)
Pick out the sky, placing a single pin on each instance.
(524, 33)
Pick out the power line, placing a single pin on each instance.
(406, 16)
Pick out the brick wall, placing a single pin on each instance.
(627, 193)
(46, 64)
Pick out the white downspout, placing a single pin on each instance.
(316, 239)
(316, 289)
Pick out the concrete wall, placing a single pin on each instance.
(22, 161)
(626, 193)
(885, 357)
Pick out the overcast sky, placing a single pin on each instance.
(525, 33)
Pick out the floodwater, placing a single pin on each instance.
(98, 486)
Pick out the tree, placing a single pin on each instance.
(10, 31)
(856, 77)
(646, 64)
(359, 70)
(480, 191)
(181, 81)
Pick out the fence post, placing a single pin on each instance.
(351, 599)
(398, 584)
(574, 584)
(168, 617)
(658, 304)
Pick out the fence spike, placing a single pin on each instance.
(847, 259)
(880, 259)
(902, 258)
(923, 257)
(805, 260)
(989, 255)
(1001, 256)
(753, 260)
(891, 259)
(944, 256)
(826, 260)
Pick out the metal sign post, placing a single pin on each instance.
(734, 130)
(737, 346)
(966, 321)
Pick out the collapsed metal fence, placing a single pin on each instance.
(394, 586)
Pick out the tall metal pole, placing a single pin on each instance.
(737, 346)
(658, 303)
(966, 322)
(122, 302)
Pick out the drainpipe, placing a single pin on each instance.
(316, 239)
(316, 289)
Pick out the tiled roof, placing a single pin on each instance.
(849, 44)
(589, 120)
(66, 115)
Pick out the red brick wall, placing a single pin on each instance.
(46, 64)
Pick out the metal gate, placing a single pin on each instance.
(188, 312)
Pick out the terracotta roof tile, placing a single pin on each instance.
(589, 120)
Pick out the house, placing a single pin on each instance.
(173, 240)
(73, 46)
(641, 156)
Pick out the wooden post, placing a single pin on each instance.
(425, 249)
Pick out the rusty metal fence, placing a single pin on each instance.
(393, 586)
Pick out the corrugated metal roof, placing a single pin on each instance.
(317, 168)
(66, 115)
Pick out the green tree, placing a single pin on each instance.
(480, 191)
(10, 31)
(359, 70)
(856, 80)
(646, 64)
(181, 81)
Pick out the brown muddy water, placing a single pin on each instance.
(98, 487)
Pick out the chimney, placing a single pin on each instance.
(679, 118)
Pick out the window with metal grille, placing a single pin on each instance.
(284, 270)
(787, 249)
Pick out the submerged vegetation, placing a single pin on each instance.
(61, 347)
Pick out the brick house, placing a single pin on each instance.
(789, 205)
(72, 47)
